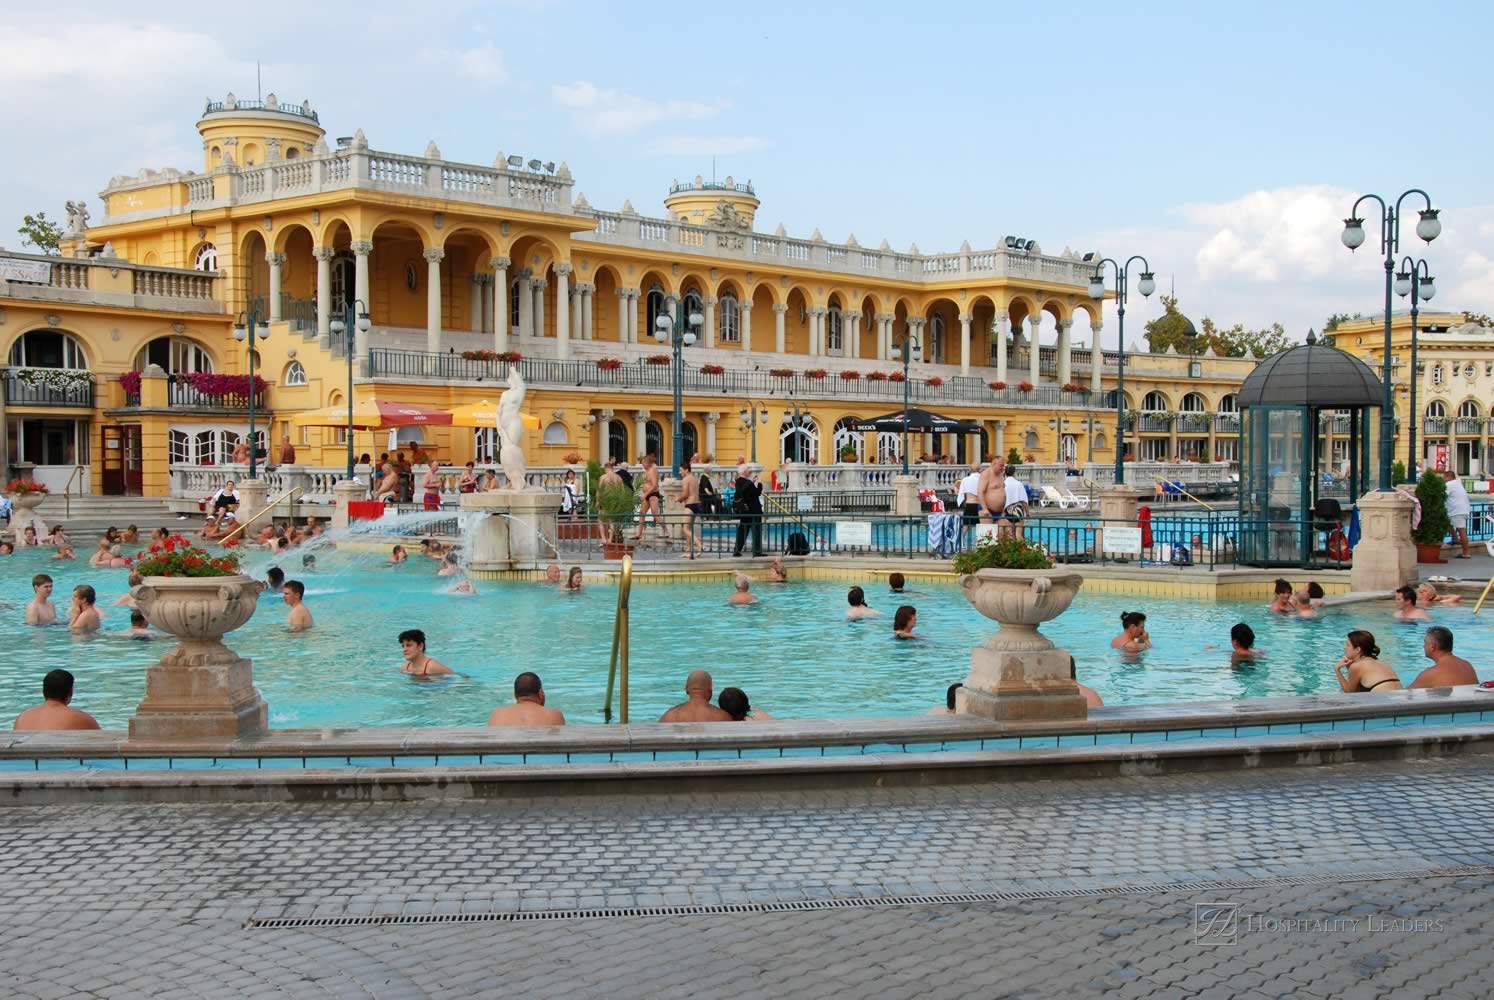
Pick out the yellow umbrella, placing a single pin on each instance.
(484, 414)
(373, 414)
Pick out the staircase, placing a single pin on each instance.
(87, 515)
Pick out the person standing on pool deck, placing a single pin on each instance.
(968, 499)
(54, 713)
(1458, 510)
(690, 500)
(652, 498)
(299, 618)
(417, 663)
(430, 485)
(991, 490)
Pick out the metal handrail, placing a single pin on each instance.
(264, 510)
(67, 499)
(795, 515)
(620, 645)
(1179, 487)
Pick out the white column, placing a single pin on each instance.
(816, 331)
(640, 435)
(562, 310)
(850, 334)
(275, 260)
(1003, 322)
(361, 249)
(633, 296)
(575, 312)
(673, 305)
(624, 324)
(1032, 325)
(588, 332)
(324, 257)
(500, 302)
(884, 336)
(964, 344)
(745, 312)
(525, 292)
(537, 289)
(710, 441)
(1001, 439)
(710, 322)
(433, 259)
(1065, 369)
(474, 302)
(1097, 365)
(778, 333)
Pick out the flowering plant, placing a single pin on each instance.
(1072, 387)
(897, 377)
(1024, 386)
(21, 487)
(712, 370)
(781, 372)
(131, 383)
(609, 364)
(998, 385)
(512, 357)
(815, 373)
(658, 359)
(572, 458)
(215, 385)
(63, 379)
(933, 380)
(850, 376)
(176, 556)
(876, 376)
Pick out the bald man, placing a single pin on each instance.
(697, 706)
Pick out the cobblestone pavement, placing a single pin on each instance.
(121, 901)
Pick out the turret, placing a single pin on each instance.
(252, 133)
(700, 202)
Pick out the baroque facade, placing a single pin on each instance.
(114, 349)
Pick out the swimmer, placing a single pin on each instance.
(528, 708)
(7, 549)
(733, 702)
(856, 598)
(1315, 591)
(1133, 637)
(274, 579)
(1303, 605)
(139, 628)
(552, 574)
(54, 713)
(299, 618)
(449, 565)
(462, 587)
(948, 708)
(1091, 697)
(65, 551)
(417, 663)
(41, 610)
(904, 622)
(82, 615)
(398, 555)
(28, 539)
(897, 584)
(1241, 644)
(1281, 598)
(128, 600)
(1405, 607)
(1426, 596)
(776, 572)
(308, 562)
(573, 580)
(742, 596)
(101, 555)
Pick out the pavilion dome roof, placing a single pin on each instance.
(1312, 374)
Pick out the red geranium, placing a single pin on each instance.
(712, 370)
(876, 376)
(933, 380)
(998, 385)
(897, 377)
(609, 364)
(1024, 386)
(850, 376)
(177, 556)
(815, 373)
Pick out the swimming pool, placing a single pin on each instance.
(794, 653)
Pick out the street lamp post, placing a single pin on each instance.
(675, 330)
(1415, 280)
(244, 329)
(909, 351)
(1146, 285)
(354, 321)
(1428, 227)
(753, 414)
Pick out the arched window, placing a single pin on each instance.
(216, 155)
(1030, 441)
(689, 441)
(799, 442)
(179, 447)
(657, 306)
(834, 331)
(1100, 440)
(485, 446)
(843, 437)
(617, 440)
(731, 320)
(889, 448)
(48, 349)
(1193, 403)
(513, 303)
(935, 352)
(653, 440)
(1154, 402)
(555, 433)
(295, 374)
(1436, 411)
(1469, 410)
(1229, 404)
(292, 153)
(207, 449)
(206, 258)
(693, 303)
(1069, 449)
(174, 355)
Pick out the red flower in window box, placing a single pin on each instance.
(815, 373)
(876, 376)
(658, 359)
(850, 376)
(1073, 387)
(1024, 386)
(609, 364)
(897, 377)
(131, 383)
(997, 385)
(712, 370)
(933, 380)
(781, 372)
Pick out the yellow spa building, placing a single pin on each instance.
(117, 349)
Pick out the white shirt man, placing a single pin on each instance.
(968, 496)
(1458, 509)
(1015, 492)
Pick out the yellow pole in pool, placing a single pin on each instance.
(619, 643)
(1484, 596)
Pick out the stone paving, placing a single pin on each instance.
(120, 901)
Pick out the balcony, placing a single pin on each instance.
(1226, 423)
(1434, 425)
(1193, 422)
(1470, 426)
(106, 281)
(48, 387)
(196, 391)
(1155, 423)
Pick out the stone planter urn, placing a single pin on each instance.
(1018, 674)
(201, 689)
(27, 501)
(23, 513)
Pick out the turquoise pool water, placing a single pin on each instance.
(794, 652)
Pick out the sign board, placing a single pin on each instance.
(37, 271)
(853, 533)
(1440, 453)
(804, 501)
(1126, 541)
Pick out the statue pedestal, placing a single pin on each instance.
(905, 496)
(23, 514)
(1385, 557)
(1118, 506)
(254, 494)
(519, 528)
(1018, 674)
(344, 491)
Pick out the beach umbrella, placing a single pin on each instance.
(485, 414)
(374, 414)
(919, 421)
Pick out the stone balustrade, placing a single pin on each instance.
(107, 281)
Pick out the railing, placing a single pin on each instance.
(1434, 425)
(1193, 423)
(1228, 423)
(1470, 425)
(20, 392)
(299, 110)
(67, 489)
(620, 645)
(180, 392)
(174, 284)
(299, 313)
(1153, 423)
(406, 365)
(101, 280)
(677, 187)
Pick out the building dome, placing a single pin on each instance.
(252, 133)
(1312, 374)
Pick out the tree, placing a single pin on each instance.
(1482, 319)
(1334, 321)
(1169, 329)
(1237, 342)
(40, 232)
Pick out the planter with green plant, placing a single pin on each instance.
(615, 506)
(1428, 535)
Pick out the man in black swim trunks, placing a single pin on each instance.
(652, 499)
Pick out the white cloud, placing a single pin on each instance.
(482, 64)
(707, 145)
(603, 111)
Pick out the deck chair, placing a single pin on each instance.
(1075, 501)
(1052, 498)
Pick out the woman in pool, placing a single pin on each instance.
(1359, 670)
(733, 702)
(1426, 596)
(1316, 594)
(1281, 601)
(573, 580)
(904, 622)
(776, 572)
(449, 566)
(1133, 637)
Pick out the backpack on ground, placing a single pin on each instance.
(798, 545)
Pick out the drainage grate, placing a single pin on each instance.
(933, 899)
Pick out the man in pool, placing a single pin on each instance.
(54, 713)
(552, 575)
(417, 663)
(1405, 606)
(127, 599)
(1446, 670)
(528, 708)
(83, 616)
(1241, 645)
(41, 610)
(856, 599)
(299, 618)
(139, 628)
(697, 705)
(743, 594)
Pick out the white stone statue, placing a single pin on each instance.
(77, 217)
(511, 431)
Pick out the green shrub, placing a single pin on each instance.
(1007, 553)
(1013, 458)
(615, 504)
(1398, 473)
(1435, 524)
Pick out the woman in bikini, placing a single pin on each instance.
(1359, 670)
(417, 663)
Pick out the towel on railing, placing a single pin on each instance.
(944, 533)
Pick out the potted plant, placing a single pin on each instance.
(876, 376)
(997, 386)
(850, 375)
(201, 688)
(609, 364)
(1431, 491)
(815, 374)
(934, 380)
(712, 370)
(848, 454)
(1013, 458)
(26, 494)
(1024, 386)
(572, 458)
(658, 359)
(897, 377)
(781, 372)
(615, 505)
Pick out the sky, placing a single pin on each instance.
(1223, 142)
